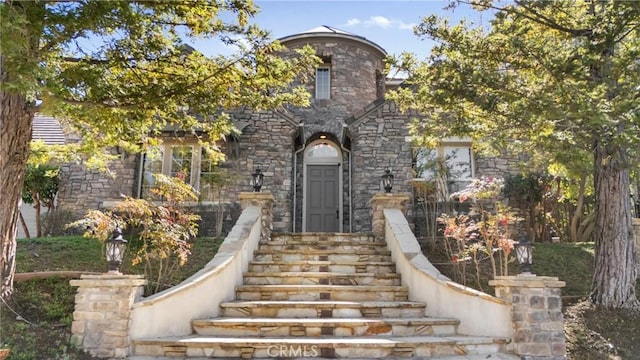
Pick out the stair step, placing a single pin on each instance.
(323, 309)
(341, 347)
(347, 267)
(321, 237)
(322, 255)
(325, 326)
(320, 278)
(324, 245)
(322, 292)
(495, 356)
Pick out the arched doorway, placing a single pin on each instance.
(322, 200)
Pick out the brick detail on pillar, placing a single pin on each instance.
(265, 201)
(536, 311)
(102, 313)
(383, 201)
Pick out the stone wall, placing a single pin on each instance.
(379, 141)
(102, 313)
(354, 69)
(82, 189)
(536, 310)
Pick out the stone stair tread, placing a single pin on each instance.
(319, 262)
(494, 356)
(319, 274)
(353, 341)
(324, 321)
(321, 303)
(324, 243)
(325, 251)
(360, 288)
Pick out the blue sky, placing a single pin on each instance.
(387, 23)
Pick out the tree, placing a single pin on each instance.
(41, 184)
(120, 72)
(550, 78)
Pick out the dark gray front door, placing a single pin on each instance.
(322, 198)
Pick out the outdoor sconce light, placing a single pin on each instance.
(387, 181)
(114, 250)
(256, 180)
(524, 254)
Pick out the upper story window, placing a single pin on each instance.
(323, 82)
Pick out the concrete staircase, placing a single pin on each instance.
(323, 296)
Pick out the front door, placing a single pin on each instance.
(322, 202)
(323, 205)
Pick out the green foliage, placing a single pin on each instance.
(121, 71)
(41, 185)
(164, 228)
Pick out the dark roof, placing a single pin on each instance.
(47, 129)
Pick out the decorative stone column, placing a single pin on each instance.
(265, 201)
(636, 236)
(536, 311)
(102, 313)
(383, 201)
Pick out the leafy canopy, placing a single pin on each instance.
(122, 72)
(552, 75)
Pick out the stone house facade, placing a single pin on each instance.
(323, 163)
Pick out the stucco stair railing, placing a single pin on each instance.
(323, 296)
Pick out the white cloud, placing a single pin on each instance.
(352, 22)
(381, 22)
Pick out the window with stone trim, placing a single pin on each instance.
(450, 164)
(189, 161)
(323, 82)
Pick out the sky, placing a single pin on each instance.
(387, 23)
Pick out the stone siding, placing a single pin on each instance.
(82, 189)
(354, 70)
(379, 141)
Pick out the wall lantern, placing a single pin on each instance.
(256, 180)
(387, 181)
(524, 254)
(114, 250)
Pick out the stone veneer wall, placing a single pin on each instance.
(379, 141)
(267, 143)
(354, 66)
(82, 189)
(536, 310)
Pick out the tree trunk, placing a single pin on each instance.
(614, 277)
(37, 206)
(15, 134)
(577, 214)
(23, 223)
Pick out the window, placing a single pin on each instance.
(187, 161)
(323, 82)
(452, 164)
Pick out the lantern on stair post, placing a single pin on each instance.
(114, 250)
(387, 181)
(256, 180)
(524, 254)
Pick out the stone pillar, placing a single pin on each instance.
(636, 236)
(383, 201)
(536, 313)
(102, 313)
(265, 201)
